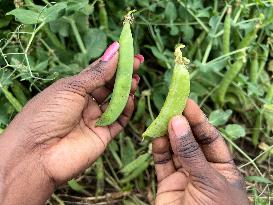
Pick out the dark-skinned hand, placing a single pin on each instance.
(54, 138)
(194, 165)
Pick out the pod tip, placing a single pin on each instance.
(179, 56)
(129, 17)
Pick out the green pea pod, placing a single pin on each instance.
(129, 168)
(176, 99)
(259, 119)
(226, 35)
(257, 129)
(123, 80)
(235, 68)
(103, 16)
(13, 101)
(17, 90)
(136, 173)
(99, 176)
(262, 60)
(254, 67)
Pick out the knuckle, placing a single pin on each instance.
(70, 84)
(206, 133)
(96, 71)
(162, 158)
(188, 147)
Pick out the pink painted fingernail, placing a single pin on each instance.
(140, 58)
(136, 76)
(110, 51)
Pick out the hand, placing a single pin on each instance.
(201, 169)
(54, 138)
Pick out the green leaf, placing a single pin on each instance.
(54, 12)
(4, 21)
(199, 89)
(212, 66)
(188, 32)
(259, 179)
(26, 16)
(127, 151)
(76, 5)
(95, 42)
(159, 55)
(60, 26)
(170, 11)
(41, 66)
(213, 22)
(174, 30)
(31, 17)
(235, 131)
(219, 117)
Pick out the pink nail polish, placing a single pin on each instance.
(110, 51)
(140, 58)
(136, 76)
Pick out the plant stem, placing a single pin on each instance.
(241, 151)
(33, 35)
(57, 199)
(12, 100)
(194, 16)
(77, 34)
(150, 107)
(207, 52)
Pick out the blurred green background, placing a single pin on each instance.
(41, 42)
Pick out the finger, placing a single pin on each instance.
(123, 120)
(97, 74)
(101, 94)
(186, 148)
(208, 137)
(177, 163)
(137, 61)
(164, 165)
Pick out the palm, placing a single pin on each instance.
(184, 190)
(64, 120)
(200, 170)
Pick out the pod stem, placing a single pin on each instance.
(179, 59)
(129, 17)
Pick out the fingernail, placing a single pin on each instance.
(140, 58)
(179, 126)
(136, 77)
(110, 51)
(132, 95)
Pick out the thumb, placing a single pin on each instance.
(99, 72)
(186, 148)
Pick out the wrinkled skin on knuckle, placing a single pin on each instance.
(162, 158)
(187, 148)
(206, 132)
(69, 84)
